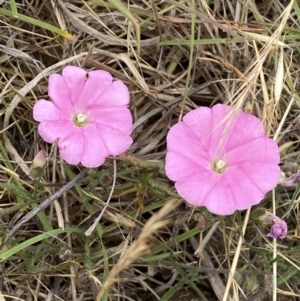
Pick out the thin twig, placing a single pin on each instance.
(90, 230)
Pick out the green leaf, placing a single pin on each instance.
(36, 22)
(17, 191)
(53, 233)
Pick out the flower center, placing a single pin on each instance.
(219, 166)
(80, 119)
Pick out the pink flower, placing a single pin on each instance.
(278, 229)
(88, 115)
(221, 159)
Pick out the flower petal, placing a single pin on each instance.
(263, 149)
(74, 78)
(52, 130)
(223, 129)
(240, 134)
(182, 140)
(224, 124)
(216, 192)
(60, 94)
(239, 190)
(264, 176)
(199, 121)
(115, 141)
(95, 150)
(178, 166)
(118, 118)
(45, 110)
(71, 147)
(197, 190)
(209, 125)
(115, 95)
(97, 83)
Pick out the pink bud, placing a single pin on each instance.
(38, 164)
(40, 159)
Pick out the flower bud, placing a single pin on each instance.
(38, 164)
(266, 218)
(201, 223)
(282, 178)
(252, 283)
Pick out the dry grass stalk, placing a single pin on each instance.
(140, 245)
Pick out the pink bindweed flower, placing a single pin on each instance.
(278, 229)
(221, 159)
(88, 115)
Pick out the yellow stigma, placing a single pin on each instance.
(80, 119)
(219, 166)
